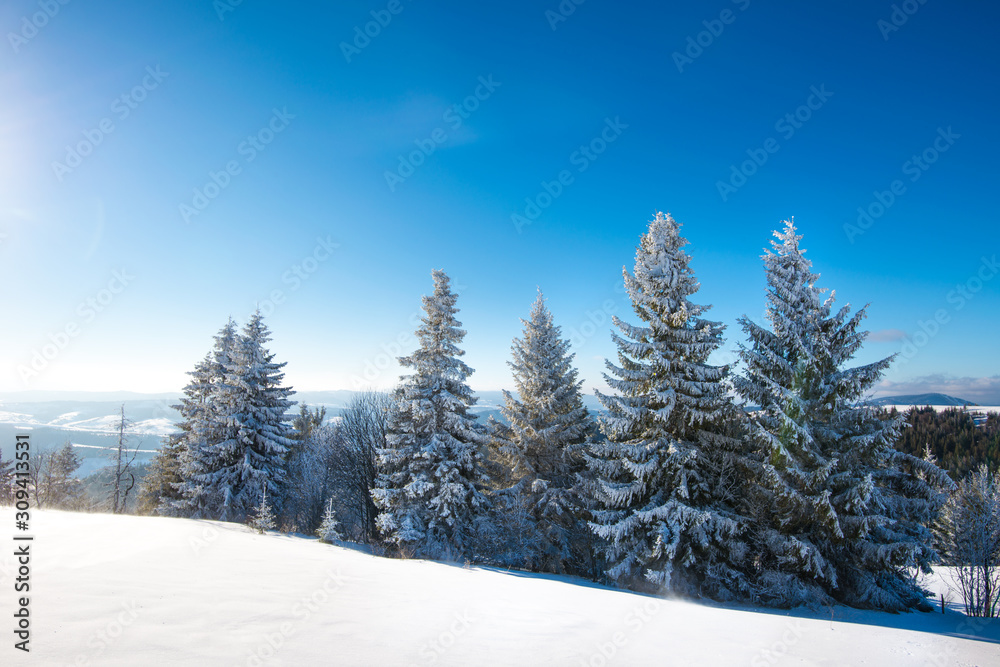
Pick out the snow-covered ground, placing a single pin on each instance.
(119, 590)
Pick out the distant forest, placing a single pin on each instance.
(957, 444)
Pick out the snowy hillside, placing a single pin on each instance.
(920, 400)
(120, 590)
(90, 425)
(150, 416)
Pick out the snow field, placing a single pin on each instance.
(122, 590)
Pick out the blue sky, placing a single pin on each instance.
(166, 165)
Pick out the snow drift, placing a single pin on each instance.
(123, 590)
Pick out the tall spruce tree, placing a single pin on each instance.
(841, 513)
(238, 438)
(542, 444)
(667, 469)
(201, 429)
(429, 490)
(264, 433)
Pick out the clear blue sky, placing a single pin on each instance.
(309, 129)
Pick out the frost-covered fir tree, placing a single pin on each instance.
(840, 512)
(200, 430)
(429, 491)
(262, 519)
(329, 530)
(667, 469)
(158, 490)
(542, 445)
(238, 449)
(259, 407)
(163, 490)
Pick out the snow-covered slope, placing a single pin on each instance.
(119, 590)
(147, 417)
(920, 400)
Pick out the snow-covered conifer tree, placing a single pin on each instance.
(840, 512)
(201, 429)
(262, 518)
(542, 444)
(259, 412)
(329, 529)
(237, 448)
(667, 469)
(158, 492)
(429, 490)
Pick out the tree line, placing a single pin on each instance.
(676, 487)
(954, 439)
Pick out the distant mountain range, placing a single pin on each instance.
(921, 400)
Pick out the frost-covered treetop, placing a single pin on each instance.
(541, 359)
(663, 280)
(795, 303)
(439, 335)
(662, 372)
